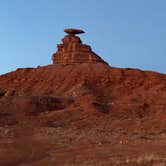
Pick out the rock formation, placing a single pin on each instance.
(73, 51)
(85, 113)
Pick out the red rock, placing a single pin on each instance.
(73, 31)
(72, 50)
(79, 113)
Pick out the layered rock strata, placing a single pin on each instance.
(72, 50)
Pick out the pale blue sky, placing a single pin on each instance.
(125, 33)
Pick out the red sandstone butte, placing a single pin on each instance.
(72, 50)
(80, 111)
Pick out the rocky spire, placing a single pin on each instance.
(72, 50)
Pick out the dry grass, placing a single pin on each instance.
(92, 162)
(147, 160)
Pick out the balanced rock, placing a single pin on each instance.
(72, 50)
(73, 31)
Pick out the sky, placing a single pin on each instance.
(125, 33)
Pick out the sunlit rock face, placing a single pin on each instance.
(72, 50)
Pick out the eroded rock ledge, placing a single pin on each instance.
(72, 50)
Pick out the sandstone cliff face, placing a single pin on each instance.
(73, 51)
